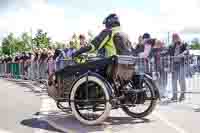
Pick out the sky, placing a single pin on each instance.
(62, 18)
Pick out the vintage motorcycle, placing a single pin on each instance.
(92, 89)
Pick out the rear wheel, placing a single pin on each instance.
(89, 100)
(144, 102)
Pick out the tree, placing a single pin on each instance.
(1, 53)
(26, 40)
(8, 44)
(5, 46)
(59, 45)
(12, 44)
(195, 43)
(23, 43)
(41, 39)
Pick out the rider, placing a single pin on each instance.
(111, 41)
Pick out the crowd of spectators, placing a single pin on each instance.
(157, 50)
(35, 66)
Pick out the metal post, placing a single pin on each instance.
(168, 38)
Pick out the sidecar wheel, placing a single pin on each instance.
(81, 100)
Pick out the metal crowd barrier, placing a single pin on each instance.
(36, 70)
(162, 70)
(32, 70)
(12, 70)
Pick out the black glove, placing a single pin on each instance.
(81, 50)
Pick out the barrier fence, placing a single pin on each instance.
(164, 70)
(40, 70)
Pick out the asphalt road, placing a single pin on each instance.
(19, 105)
(21, 101)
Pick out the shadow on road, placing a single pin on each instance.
(39, 124)
(30, 85)
(197, 110)
(126, 120)
(68, 123)
(51, 121)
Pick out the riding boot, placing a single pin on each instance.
(182, 97)
(174, 98)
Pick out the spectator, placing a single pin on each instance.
(75, 42)
(147, 42)
(25, 61)
(156, 55)
(8, 60)
(17, 66)
(57, 58)
(51, 63)
(30, 68)
(139, 47)
(82, 40)
(178, 48)
(71, 49)
(1, 67)
(35, 65)
(43, 64)
(50, 48)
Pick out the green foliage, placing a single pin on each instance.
(59, 45)
(1, 53)
(195, 44)
(24, 43)
(8, 44)
(12, 44)
(41, 39)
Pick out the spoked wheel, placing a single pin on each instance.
(143, 101)
(89, 100)
(51, 86)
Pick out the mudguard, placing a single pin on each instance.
(157, 93)
(150, 79)
(108, 86)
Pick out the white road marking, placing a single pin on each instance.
(45, 107)
(4, 131)
(168, 123)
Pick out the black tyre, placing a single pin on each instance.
(90, 108)
(141, 98)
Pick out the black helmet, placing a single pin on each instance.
(146, 36)
(111, 20)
